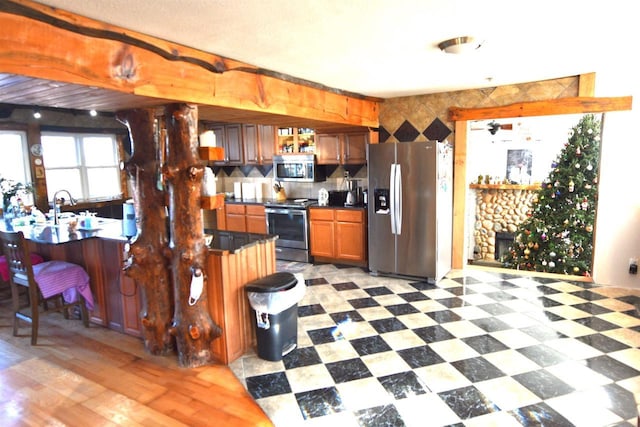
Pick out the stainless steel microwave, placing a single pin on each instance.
(298, 167)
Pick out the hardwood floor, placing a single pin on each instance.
(78, 377)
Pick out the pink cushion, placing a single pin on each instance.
(4, 268)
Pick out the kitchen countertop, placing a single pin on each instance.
(361, 207)
(106, 228)
(234, 241)
(265, 201)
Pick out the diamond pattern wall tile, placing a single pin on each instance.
(383, 134)
(437, 131)
(406, 132)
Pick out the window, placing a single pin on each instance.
(86, 165)
(13, 163)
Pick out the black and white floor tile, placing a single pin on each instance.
(478, 348)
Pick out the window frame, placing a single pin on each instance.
(82, 167)
(26, 164)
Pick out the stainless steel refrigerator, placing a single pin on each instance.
(410, 208)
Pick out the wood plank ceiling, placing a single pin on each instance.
(34, 92)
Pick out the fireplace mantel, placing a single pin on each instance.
(531, 187)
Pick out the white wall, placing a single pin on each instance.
(618, 220)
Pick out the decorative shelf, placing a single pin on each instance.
(532, 187)
(212, 202)
(211, 153)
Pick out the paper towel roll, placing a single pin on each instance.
(237, 190)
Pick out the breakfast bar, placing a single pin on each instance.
(233, 259)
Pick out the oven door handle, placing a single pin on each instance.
(296, 212)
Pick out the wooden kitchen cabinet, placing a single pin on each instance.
(338, 235)
(321, 232)
(267, 136)
(342, 148)
(256, 219)
(259, 142)
(245, 218)
(229, 137)
(235, 217)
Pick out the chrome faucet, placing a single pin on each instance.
(56, 205)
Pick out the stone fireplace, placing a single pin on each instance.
(500, 208)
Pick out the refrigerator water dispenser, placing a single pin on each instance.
(381, 200)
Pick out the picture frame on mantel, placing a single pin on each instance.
(519, 166)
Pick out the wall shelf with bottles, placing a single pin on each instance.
(296, 140)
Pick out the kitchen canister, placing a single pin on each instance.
(258, 191)
(237, 190)
(248, 190)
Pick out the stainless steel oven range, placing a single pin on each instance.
(289, 220)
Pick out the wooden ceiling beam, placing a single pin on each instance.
(550, 107)
(47, 43)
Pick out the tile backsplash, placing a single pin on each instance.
(309, 190)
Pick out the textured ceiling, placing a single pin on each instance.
(389, 48)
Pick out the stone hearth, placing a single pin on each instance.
(500, 208)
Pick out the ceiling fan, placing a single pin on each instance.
(493, 127)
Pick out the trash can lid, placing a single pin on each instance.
(276, 282)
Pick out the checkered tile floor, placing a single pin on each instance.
(478, 348)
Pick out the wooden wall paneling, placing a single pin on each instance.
(93, 263)
(215, 293)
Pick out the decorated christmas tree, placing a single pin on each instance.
(557, 237)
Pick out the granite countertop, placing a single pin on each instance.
(360, 207)
(234, 241)
(262, 201)
(105, 228)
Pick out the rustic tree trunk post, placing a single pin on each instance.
(192, 325)
(147, 264)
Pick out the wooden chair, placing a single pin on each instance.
(22, 273)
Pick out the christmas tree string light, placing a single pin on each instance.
(557, 236)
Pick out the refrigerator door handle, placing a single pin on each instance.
(392, 197)
(398, 201)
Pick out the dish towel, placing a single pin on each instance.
(56, 277)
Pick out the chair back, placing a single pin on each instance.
(16, 252)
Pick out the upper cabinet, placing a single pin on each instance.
(267, 143)
(342, 148)
(229, 137)
(296, 140)
(245, 144)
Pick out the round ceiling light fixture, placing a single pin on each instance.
(459, 45)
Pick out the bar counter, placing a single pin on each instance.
(105, 228)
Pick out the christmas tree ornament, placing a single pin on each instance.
(576, 269)
(558, 229)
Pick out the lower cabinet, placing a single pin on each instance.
(338, 235)
(247, 218)
(116, 297)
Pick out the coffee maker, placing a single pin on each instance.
(354, 193)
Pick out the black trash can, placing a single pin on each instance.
(276, 321)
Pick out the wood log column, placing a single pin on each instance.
(192, 325)
(147, 264)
